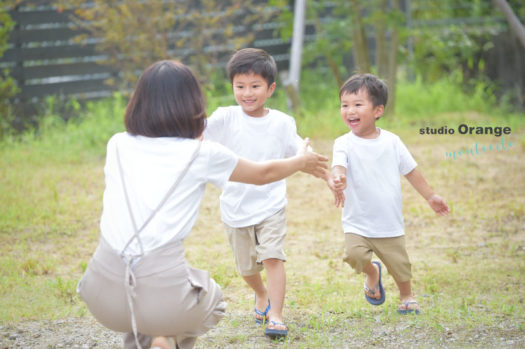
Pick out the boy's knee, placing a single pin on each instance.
(272, 261)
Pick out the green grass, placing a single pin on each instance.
(468, 267)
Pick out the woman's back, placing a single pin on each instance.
(150, 167)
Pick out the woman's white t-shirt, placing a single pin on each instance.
(273, 136)
(151, 166)
(374, 167)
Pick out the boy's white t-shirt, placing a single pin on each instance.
(151, 166)
(373, 206)
(273, 136)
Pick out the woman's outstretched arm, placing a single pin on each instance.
(269, 171)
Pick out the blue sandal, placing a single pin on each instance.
(407, 310)
(261, 313)
(274, 333)
(379, 286)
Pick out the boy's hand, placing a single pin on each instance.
(337, 183)
(339, 198)
(438, 205)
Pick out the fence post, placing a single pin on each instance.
(291, 82)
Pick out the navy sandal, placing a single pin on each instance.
(407, 310)
(274, 333)
(379, 286)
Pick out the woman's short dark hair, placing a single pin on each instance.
(375, 87)
(252, 60)
(167, 102)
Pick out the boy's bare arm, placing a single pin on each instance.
(419, 183)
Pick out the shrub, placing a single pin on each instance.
(8, 87)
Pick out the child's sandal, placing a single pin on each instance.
(263, 314)
(407, 310)
(274, 333)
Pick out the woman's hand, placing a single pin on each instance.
(315, 164)
(269, 171)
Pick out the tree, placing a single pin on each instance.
(361, 56)
(332, 39)
(135, 33)
(8, 87)
(389, 20)
(512, 19)
(347, 26)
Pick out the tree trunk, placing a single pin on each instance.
(515, 25)
(392, 64)
(362, 60)
(381, 49)
(335, 70)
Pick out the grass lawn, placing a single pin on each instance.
(468, 267)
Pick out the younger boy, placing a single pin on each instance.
(254, 216)
(371, 160)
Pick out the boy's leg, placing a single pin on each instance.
(393, 253)
(372, 280)
(408, 302)
(257, 285)
(358, 253)
(243, 243)
(270, 240)
(276, 280)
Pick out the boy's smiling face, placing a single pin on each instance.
(358, 113)
(250, 92)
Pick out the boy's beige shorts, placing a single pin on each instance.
(391, 251)
(171, 298)
(253, 244)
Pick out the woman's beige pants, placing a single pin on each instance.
(169, 297)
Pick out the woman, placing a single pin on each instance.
(138, 281)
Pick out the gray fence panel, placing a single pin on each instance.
(44, 35)
(45, 60)
(61, 70)
(67, 88)
(38, 17)
(27, 54)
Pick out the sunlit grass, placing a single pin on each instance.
(468, 267)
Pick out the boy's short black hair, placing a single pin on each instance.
(375, 87)
(252, 60)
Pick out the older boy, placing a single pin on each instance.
(254, 216)
(371, 160)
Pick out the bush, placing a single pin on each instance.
(8, 87)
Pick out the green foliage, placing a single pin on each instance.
(136, 33)
(445, 36)
(333, 39)
(57, 139)
(8, 87)
(417, 103)
(449, 34)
